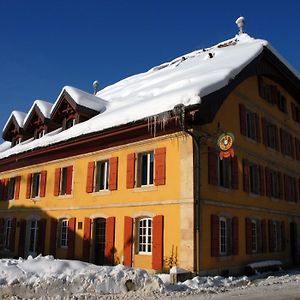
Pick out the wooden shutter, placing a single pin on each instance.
(212, 166)
(128, 241)
(71, 238)
(57, 181)
(246, 177)
(22, 235)
(243, 124)
(12, 237)
(248, 236)
(157, 242)
(28, 186)
(234, 173)
(86, 239)
(113, 173)
(296, 189)
(69, 180)
(297, 149)
(274, 94)
(109, 241)
(41, 236)
(283, 241)
(276, 138)
(261, 91)
(263, 236)
(160, 166)
(258, 137)
(294, 113)
(271, 236)
(17, 187)
(53, 233)
(281, 194)
(261, 180)
(264, 131)
(90, 177)
(282, 141)
(215, 236)
(1, 190)
(130, 179)
(235, 236)
(268, 182)
(286, 189)
(43, 183)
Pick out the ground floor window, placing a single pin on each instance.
(145, 236)
(63, 234)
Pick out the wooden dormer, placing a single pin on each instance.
(71, 108)
(37, 122)
(13, 130)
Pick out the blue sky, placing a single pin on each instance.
(45, 45)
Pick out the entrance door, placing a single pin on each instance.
(32, 237)
(293, 239)
(99, 230)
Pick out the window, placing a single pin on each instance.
(63, 181)
(16, 141)
(101, 175)
(145, 236)
(287, 146)
(35, 185)
(146, 168)
(63, 234)
(275, 232)
(70, 123)
(7, 233)
(290, 188)
(224, 172)
(40, 133)
(282, 104)
(275, 183)
(295, 112)
(272, 136)
(223, 236)
(11, 188)
(251, 125)
(254, 178)
(254, 236)
(33, 236)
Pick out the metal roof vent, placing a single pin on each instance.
(96, 86)
(240, 22)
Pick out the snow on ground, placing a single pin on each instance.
(49, 278)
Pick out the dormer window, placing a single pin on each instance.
(40, 132)
(16, 141)
(70, 123)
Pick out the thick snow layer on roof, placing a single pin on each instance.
(83, 98)
(185, 80)
(4, 146)
(44, 106)
(19, 116)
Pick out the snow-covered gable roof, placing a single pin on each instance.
(81, 98)
(43, 106)
(19, 116)
(185, 80)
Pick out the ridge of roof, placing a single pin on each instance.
(19, 117)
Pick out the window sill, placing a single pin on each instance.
(253, 195)
(101, 193)
(224, 189)
(275, 199)
(145, 188)
(224, 257)
(65, 196)
(143, 254)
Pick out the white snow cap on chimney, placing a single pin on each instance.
(240, 22)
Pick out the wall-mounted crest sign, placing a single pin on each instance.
(225, 143)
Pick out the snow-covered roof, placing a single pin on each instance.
(44, 107)
(19, 117)
(82, 98)
(185, 80)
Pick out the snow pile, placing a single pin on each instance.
(46, 276)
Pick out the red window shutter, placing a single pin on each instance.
(260, 82)
(69, 180)
(264, 131)
(157, 242)
(86, 239)
(243, 124)
(90, 177)
(160, 166)
(263, 236)
(261, 181)
(57, 181)
(43, 183)
(282, 141)
(28, 186)
(271, 236)
(235, 236)
(53, 234)
(246, 171)
(248, 236)
(22, 235)
(41, 236)
(5, 190)
(130, 179)
(274, 94)
(71, 238)
(294, 114)
(234, 173)
(282, 227)
(17, 187)
(212, 166)
(258, 137)
(1, 190)
(276, 139)
(128, 241)
(297, 149)
(12, 237)
(296, 189)
(268, 182)
(113, 173)
(286, 190)
(110, 241)
(280, 177)
(215, 235)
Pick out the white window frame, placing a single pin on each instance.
(145, 233)
(97, 175)
(8, 228)
(254, 236)
(33, 229)
(223, 246)
(38, 174)
(149, 156)
(63, 234)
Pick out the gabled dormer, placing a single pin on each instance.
(37, 121)
(13, 129)
(74, 106)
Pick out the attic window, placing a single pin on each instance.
(16, 141)
(39, 133)
(70, 123)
